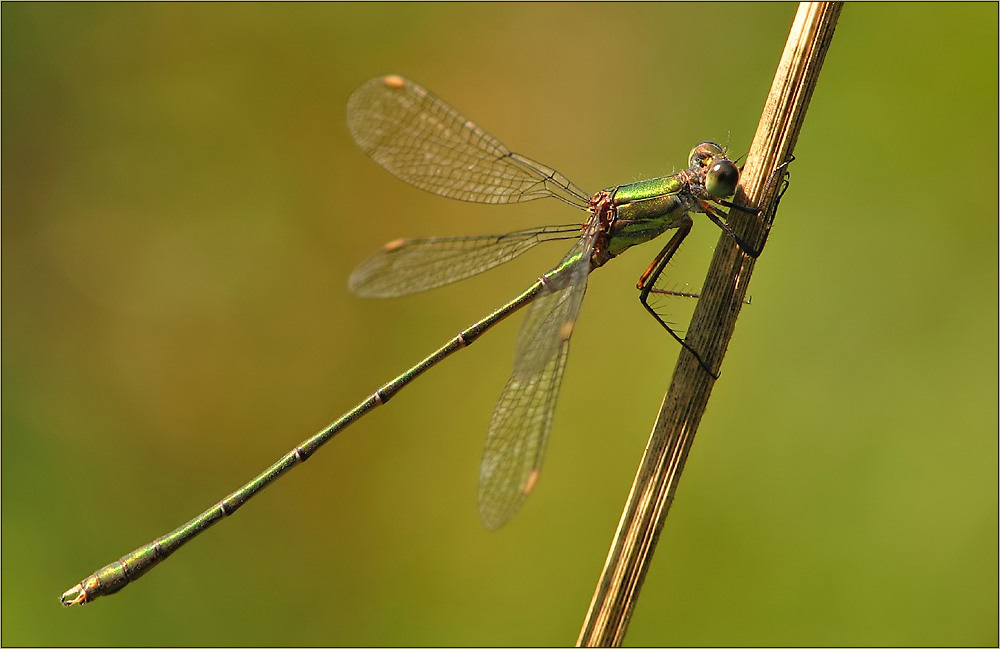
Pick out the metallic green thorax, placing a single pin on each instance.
(644, 210)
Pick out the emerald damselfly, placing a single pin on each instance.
(422, 140)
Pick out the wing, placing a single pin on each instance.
(411, 265)
(519, 429)
(422, 140)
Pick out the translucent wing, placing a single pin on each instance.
(422, 140)
(519, 429)
(412, 265)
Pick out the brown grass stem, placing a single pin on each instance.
(711, 328)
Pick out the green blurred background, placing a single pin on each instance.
(182, 205)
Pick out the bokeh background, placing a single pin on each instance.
(182, 205)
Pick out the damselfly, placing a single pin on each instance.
(422, 140)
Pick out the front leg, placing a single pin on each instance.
(719, 217)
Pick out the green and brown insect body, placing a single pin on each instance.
(422, 140)
(641, 211)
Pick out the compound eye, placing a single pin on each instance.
(721, 179)
(704, 152)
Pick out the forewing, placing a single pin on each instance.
(422, 140)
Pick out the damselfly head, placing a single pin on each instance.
(721, 174)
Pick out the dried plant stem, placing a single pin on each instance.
(711, 328)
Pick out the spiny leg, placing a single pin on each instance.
(648, 280)
(717, 216)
